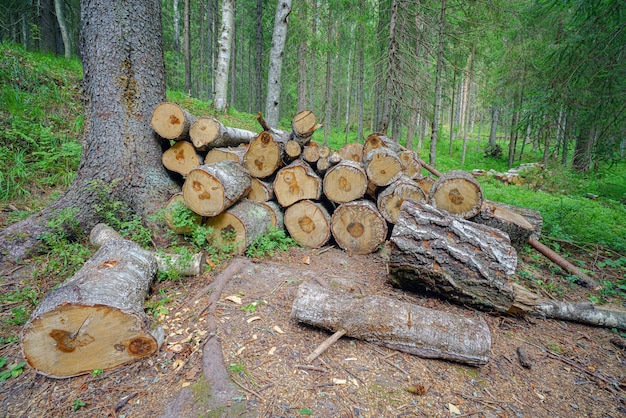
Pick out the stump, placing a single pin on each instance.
(394, 324)
(308, 223)
(239, 225)
(207, 132)
(171, 121)
(457, 192)
(438, 253)
(358, 228)
(96, 319)
(345, 182)
(382, 166)
(264, 155)
(296, 182)
(181, 158)
(390, 199)
(212, 188)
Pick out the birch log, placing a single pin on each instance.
(398, 325)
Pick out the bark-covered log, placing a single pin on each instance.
(436, 252)
(207, 132)
(181, 158)
(581, 312)
(264, 155)
(358, 227)
(221, 154)
(345, 182)
(398, 325)
(352, 151)
(457, 192)
(96, 319)
(212, 188)
(531, 215)
(176, 206)
(382, 166)
(308, 223)
(496, 216)
(296, 182)
(277, 216)
(260, 191)
(239, 225)
(184, 265)
(170, 121)
(390, 199)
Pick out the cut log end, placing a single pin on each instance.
(76, 339)
(170, 121)
(358, 227)
(308, 223)
(458, 193)
(263, 156)
(345, 182)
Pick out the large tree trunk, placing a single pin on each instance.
(96, 319)
(124, 79)
(398, 325)
(223, 61)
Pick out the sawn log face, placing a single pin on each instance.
(395, 324)
(435, 252)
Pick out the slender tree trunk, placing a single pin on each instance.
(258, 73)
(360, 79)
(494, 126)
(279, 37)
(313, 57)
(392, 62)
(224, 55)
(566, 124)
(582, 151)
(187, 47)
(233, 58)
(452, 111)
(59, 8)
(302, 64)
(468, 77)
(176, 27)
(514, 131)
(329, 78)
(124, 79)
(437, 108)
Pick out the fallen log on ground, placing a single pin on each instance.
(390, 199)
(515, 225)
(398, 325)
(436, 252)
(206, 133)
(96, 319)
(188, 266)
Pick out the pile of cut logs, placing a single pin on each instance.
(240, 182)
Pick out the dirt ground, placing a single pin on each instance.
(260, 371)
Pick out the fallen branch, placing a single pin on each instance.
(325, 345)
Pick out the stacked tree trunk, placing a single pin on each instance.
(352, 196)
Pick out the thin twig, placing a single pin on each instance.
(326, 344)
(248, 390)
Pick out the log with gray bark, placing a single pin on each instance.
(398, 325)
(436, 252)
(96, 319)
(207, 133)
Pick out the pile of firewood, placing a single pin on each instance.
(240, 182)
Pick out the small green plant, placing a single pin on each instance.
(175, 263)
(252, 306)
(77, 405)
(12, 371)
(272, 240)
(96, 372)
(305, 411)
(157, 306)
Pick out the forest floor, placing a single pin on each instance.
(576, 370)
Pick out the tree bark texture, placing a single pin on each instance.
(124, 80)
(96, 319)
(515, 225)
(394, 324)
(279, 38)
(459, 260)
(211, 189)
